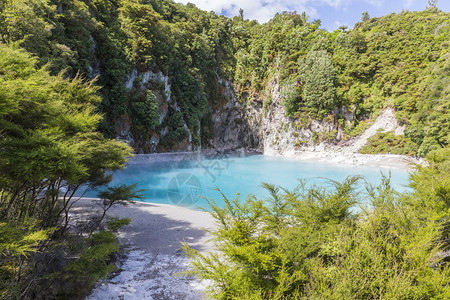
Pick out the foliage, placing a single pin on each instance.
(49, 137)
(305, 242)
(146, 113)
(177, 131)
(432, 4)
(318, 78)
(17, 243)
(399, 59)
(388, 142)
(311, 243)
(365, 16)
(116, 195)
(360, 128)
(115, 223)
(49, 149)
(94, 262)
(292, 97)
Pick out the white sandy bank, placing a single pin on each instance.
(374, 160)
(153, 257)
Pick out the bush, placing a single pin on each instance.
(115, 223)
(146, 114)
(388, 142)
(311, 243)
(429, 144)
(291, 93)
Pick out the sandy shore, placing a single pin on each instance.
(152, 251)
(332, 155)
(374, 160)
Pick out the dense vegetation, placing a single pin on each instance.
(399, 60)
(335, 242)
(110, 38)
(396, 60)
(57, 121)
(51, 151)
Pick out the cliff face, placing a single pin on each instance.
(259, 125)
(232, 127)
(148, 141)
(263, 125)
(267, 129)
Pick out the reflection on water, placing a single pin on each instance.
(188, 182)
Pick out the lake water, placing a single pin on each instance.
(186, 183)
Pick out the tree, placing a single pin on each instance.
(27, 22)
(432, 4)
(147, 113)
(241, 14)
(50, 152)
(292, 97)
(49, 141)
(309, 243)
(365, 16)
(113, 196)
(318, 77)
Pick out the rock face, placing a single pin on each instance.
(266, 128)
(259, 124)
(263, 125)
(232, 128)
(148, 142)
(386, 121)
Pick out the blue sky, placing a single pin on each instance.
(332, 13)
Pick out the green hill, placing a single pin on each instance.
(399, 60)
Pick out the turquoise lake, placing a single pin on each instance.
(186, 183)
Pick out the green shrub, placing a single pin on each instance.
(78, 276)
(311, 243)
(291, 93)
(360, 128)
(318, 76)
(115, 223)
(388, 142)
(146, 114)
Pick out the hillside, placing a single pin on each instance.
(172, 77)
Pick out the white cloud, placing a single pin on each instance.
(264, 10)
(376, 3)
(408, 3)
(261, 10)
(334, 3)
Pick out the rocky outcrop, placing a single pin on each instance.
(259, 124)
(263, 125)
(148, 142)
(386, 121)
(232, 128)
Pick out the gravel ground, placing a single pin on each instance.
(152, 257)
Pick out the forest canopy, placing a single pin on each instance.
(398, 60)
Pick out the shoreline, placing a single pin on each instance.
(179, 224)
(153, 239)
(393, 161)
(152, 255)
